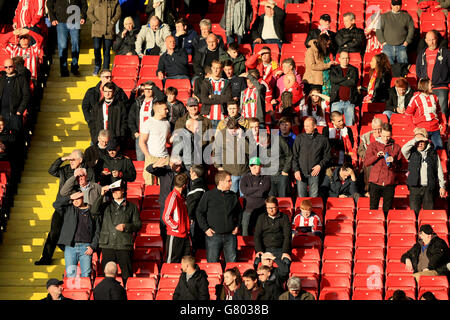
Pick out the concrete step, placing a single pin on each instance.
(28, 262)
(23, 293)
(8, 253)
(29, 178)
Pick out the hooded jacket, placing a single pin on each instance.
(196, 288)
(187, 40)
(441, 74)
(392, 103)
(332, 186)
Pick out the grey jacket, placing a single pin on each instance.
(152, 39)
(90, 194)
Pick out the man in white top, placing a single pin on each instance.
(269, 27)
(154, 135)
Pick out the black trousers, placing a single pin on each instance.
(376, 192)
(177, 248)
(53, 236)
(123, 258)
(421, 196)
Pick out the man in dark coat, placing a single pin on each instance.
(277, 15)
(278, 274)
(429, 256)
(116, 166)
(204, 56)
(271, 287)
(324, 27)
(350, 38)
(252, 289)
(339, 182)
(55, 290)
(109, 288)
(92, 154)
(193, 282)
(185, 36)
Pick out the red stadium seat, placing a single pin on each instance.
(367, 215)
(397, 268)
(285, 203)
(370, 241)
(298, 7)
(399, 119)
(368, 266)
(147, 254)
(433, 282)
(167, 283)
(401, 131)
(375, 227)
(401, 215)
(170, 270)
(401, 191)
(439, 227)
(242, 266)
(297, 22)
(339, 215)
(401, 227)
(305, 269)
(373, 281)
(245, 254)
(122, 60)
(77, 294)
(336, 227)
(296, 38)
(148, 242)
(150, 228)
(367, 295)
(150, 202)
(410, 293)
(124, 72)
(335, 281)
(164, 295)
(438, 215)
(334, 254)
(140, 294)
(309, 283)
(245, 241)
(368, 117)
(212, 269)
(245, 49)
(364, 203)
(340, 241)
(401, 240)
(316, 202)
(400, 282)
(340, 204)
(337, 267)
(334, 294)
(145, 269)
(305, 254)
(377, 107)
(135, 283)
(439, 294)
(150, 61)
(77, 283)
(433, 21)
(180, 84)
(100, 279)
(395, 253)
(306, 241)
(375, 253)
(153, 190)
(150, 214)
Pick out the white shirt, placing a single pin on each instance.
(157, 131)
(268, 31)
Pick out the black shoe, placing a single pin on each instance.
(65, 73)
(75, 72)
(42, 262)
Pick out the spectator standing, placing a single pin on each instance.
(253, 98)
(205, 56)
(380, 76)
(433, 63)
(92, 154)
(29, 14)
(232, 281)
(384, 155)
(262, 61)
(343, 95)
(311, 154)
(399, 97)
(173, 64)
(193, 282)
(55, 289)
(193, 113)
(175, 106)
(80, 182)
(151, 38)
(235, 57)
(109, 288)
(323, 27)
(307, 222)
(269, 27)
(236, 19)
(287, 67)
(125, 42)
(104, 15)
(340, 138)
(59, 17)
(186, 144)
(197, 189)
(185, 36)
(205, 30)
(295, 291)
(163, 10)
(219, 215)
(396, 32)
(233, 112)
(116, 166)
(426, 112)
(372, 24)
(238, 84)
(424, 172)
(350, 38)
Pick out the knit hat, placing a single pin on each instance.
(396, 2)
(54, 282)
(427, 229)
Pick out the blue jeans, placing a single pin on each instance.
(312, 182)
(218, 242)
(73, 255)
(235, 180)
(388, 114)
(395, 53)
(63, 37)
(231, 39)
(435, 137)
(139, 154)
(442, 95)
(279, 186)
(106, 44)
(347, 109)
(276, 41)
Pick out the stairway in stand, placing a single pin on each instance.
(60, 129)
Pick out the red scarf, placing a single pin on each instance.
(371, 87)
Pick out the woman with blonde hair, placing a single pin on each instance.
(125, 41)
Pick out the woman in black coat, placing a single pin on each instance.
(399, 97)
(380, 79)
(125, 41)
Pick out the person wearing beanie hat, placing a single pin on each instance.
(116, 166)
(295, 291)
(429, 256)
(425, 174)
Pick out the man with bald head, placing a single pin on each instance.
(173, 64)
(433, 63)
(151, 39)
(184, 143)
(109, 288)
(204, 56)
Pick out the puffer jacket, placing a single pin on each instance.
(104, 14)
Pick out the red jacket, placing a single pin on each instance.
(176, 216)
(426, 112)
(380, 173)
(254, 62)
(29, 13)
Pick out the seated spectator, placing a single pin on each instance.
(380, 76)
(141, 110)
(344, 95)
(173, 64)
(233, 113)
(291, 85)
(238, 84)
(193, 113)
(29, 15)
(104, 17)
(396, 32)
(428, 296)
(253, 102)
(185, 36)
(384, 155)
(287, 67)
(340, 182)
(295, 291)
(323, 27)
(311, 154)
(55, 289)
(278, 274)
(151, 38)
(110, 114)
(280, 182)
(269, 27)
(205, 56)
(429, 256)
(109, 288)
(272, 231)
(306, 222)
(285, 108)
(120, 220)
(193, 282)
(317, 65)
(372, 23)
(116, 166)
(271, 288)
(399, 295)
(232, 281)
(80, 182)
(198, 188)
(399, 97)
(316, 106)
(219, 215)
(236, 20)
(125, 43)
(350, 38)
(231, 152)
(285, 124)
(426, 112)
(79, 235)
(252, 289)
(214, 95)
(262, 61)
(163, 10)
(235, 57)
(340, 138)
(433, 62)
(176, 107)
(177, 220)
(255, 187)
(25, 43)
(366, 139)
(424, 172)
(7, 138)
(14, 97)
(205, 30)
(92, 154)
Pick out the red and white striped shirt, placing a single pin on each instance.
(340, 134)
(215, 112)
(249, 105)
(105, 114)
(145, 112)
(312, 221)
(29, 13)
(426, 112)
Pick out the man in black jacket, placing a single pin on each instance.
(193, 282)
(14, 96)
(173, 64)
(92, 154)
(350, 38)
(273, 231)
(238, 84)
(200, 42)
(185, 36)
(343, 96)
(176, 107)
(109, 288)
(269, 27)
(324, 27)
(278, 274)
(311, 154)
(116, 166)
(255, 188)
(339, 182)
(219, 215)
(59, 12)
(55, 290)
(204, 56)
(271, 287)
(251, 288)
(429, 256)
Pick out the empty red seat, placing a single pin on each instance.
(365, 253)
(401, 215)
(245, 241)
(334, 254)
(150, 202)
(401, 240)
(396, 268)
(245, 254)
(285, 203)
(306, 241)
(152, 190)
(149, 241)
(401, 191)
(140, 294)
(373, 227)
(376, 107)
(372, 281)
(309, 283)
(433, 282)
(298, 7)
(305, 254)
(150, 214)
(305, 269)
(147, 254)
(339, 241)
(77, 283)
(242, 266)
(399, 119)
(149, 61)
(400, 281)
(439, 293)
(368, 267)
(77, 294)
(140, 283)
(171, 270)
(335, 281)
(433, 21)
(367, 295)
(371, 241)
(334, 294)
(150, 228)
(395, 253)
(168, 283)
(297, 22)
(337, 267)
(438, 215)
(336, 227)
(124, 72)
(334, 214)
(164, 295)
(439, 227)
(401, 227)
(145, 269)
(212, 269)
(340, 204)
(364, 203)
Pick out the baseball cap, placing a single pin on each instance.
(427, 229)
(396, 2)
(54, 282)
(268, 255)
(255, 161)
(192, 102)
